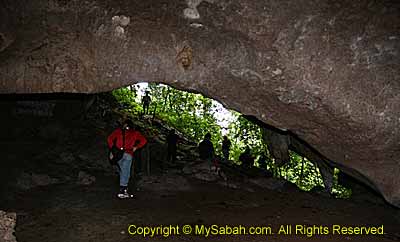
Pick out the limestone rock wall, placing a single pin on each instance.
(327, 71)
(7, 225)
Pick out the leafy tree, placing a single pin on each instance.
(243, 134)
(127, 97)
(195, 115)
(192, 114)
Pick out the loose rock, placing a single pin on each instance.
(7, 225)
(28, 181)
(85, 178)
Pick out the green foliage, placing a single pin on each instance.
(127, 98)
(306, 176)
(195, 115)
(242, 134)
(190, 113)
(302, 172)
(339, 190)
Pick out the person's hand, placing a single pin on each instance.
(111, 156)
(134, 149)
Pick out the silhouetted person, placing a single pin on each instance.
(206, 149)
(128, 140)
(146, 103)
(246, 158)
(226, 145)
(262, 161)
(172, 140)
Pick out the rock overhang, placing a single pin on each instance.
(327, 72)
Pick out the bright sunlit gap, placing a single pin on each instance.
(195, 115)
(223, 116)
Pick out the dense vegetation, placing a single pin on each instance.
(194, 115)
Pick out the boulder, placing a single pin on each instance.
(165, 183)
(85, 178)
(269, 183)
(28, 181)
(7, 226)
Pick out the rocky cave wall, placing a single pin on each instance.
(327, 71)
(7, 226)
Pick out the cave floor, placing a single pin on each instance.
(66, 211)
(92, 213)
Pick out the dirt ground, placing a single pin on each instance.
(66, 211)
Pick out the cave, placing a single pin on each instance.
(325, 73)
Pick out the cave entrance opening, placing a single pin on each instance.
(55, 167)
(193, 115)
(38, 119)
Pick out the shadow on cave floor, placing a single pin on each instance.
(91, 213)
(49, 182)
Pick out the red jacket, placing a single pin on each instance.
(133, 138)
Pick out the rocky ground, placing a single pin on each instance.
(73, 212)
(62, 189)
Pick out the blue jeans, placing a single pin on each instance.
(125, 173)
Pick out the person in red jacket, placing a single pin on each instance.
(132, 141)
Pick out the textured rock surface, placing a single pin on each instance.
(28, 181)
(164, 183)
(327, 71)
(7, 225)
(85, 178)
(269, 183)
